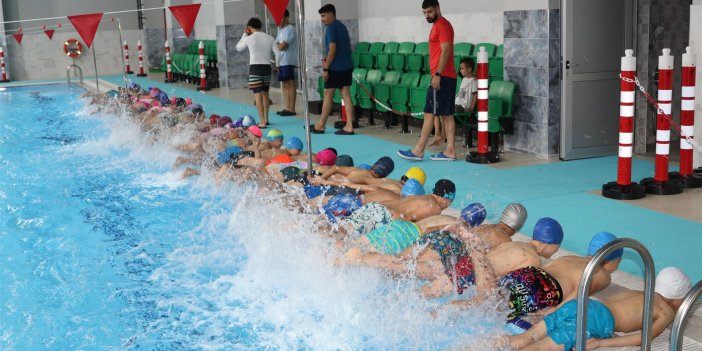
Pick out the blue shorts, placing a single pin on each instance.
(286, 73)
(561, 325)
(445, 98)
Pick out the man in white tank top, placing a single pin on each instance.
(260, 46)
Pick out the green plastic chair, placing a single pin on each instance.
(373, 77)
(361, 47)
(463, 50)
(496, 68)
(418, 94)
(500, 51)
(358, 74)
(398, 61)
(427, 67)
(382, 90)
(415, 60)
(400, 94)
(366, 58)
(193, 47)
(382, 59)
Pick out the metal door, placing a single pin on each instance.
(595, 35)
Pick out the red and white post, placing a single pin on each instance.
(169, 71)
(686, 175)
(482, 156)
(141, 60)
(623, 188)
(127, 68)
(203, 76)
(661, 184)
(2, 66)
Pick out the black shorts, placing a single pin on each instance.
(259, 78)
(339, 79)
(445, 98)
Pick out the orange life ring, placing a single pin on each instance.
(73, 48)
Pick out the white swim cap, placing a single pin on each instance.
(672, 283)
(514, 216)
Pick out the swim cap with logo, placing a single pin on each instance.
(445, 188)
(416, 173)
(412, 187)
(548, 231)
(294, 143)
(474, 214)
(383, 167)
(341, 206)
(514, 216)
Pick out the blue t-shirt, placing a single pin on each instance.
(337, 33)
(288, 57)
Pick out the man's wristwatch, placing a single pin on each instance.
(437, 74)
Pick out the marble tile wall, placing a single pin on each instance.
(40, 58)
(532, 60)
(155, 42)
(233, 65)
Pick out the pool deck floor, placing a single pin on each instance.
(569, 191)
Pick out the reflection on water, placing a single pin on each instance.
(107, 249)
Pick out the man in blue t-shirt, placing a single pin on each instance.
(338, 69)
(287, 44)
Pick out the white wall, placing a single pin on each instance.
(696, 45)
(239, 12)
(28, 9)
(205, 24)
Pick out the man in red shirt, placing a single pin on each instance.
(441, 93)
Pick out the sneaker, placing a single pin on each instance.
(409, 155)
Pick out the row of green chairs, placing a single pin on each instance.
(186, 65)
(406, 92)
(210, 50)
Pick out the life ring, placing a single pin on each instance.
(73, 48)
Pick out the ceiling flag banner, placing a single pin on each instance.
(18, 37)
(86, 26)
(49, 32)
(186, 15)
(277, 9)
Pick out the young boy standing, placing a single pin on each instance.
(467, 96)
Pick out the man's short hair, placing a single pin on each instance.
(254, 23)
(328, 8)
(286, 14)
(468, 62)
(430, 3)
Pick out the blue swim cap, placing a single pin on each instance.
(341, 206)
(364, 166)
(134, 86)
(474, 214)
(344, 161)
(412, 187)
(294, 143)
(163, 98)
(248, 121)
(548, 231)
(228, 153)
(383, 167)
(601, 239)
(112, 94)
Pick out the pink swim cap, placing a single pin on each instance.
(255, 130)
(188, 101)
(326, 157)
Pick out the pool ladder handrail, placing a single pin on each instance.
(68, 73)
(649, 284)
(676, 333)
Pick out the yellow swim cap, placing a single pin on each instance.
(416, 173)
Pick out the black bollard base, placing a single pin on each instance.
(169, 80)
(478, 158)
(688, 181)
(142, 75)
(130, 72)
(5, 81)
(633, 191)
(670, 187)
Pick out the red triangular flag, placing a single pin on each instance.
(18, 37)
(186, 15)
(277, 9)
(49, 33)
(86, 26)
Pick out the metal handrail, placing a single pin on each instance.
(68, 73)
(676, 334)
(649, 283)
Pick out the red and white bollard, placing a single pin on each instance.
(169, 71)
(203, 76)
(141, 61)
(482, 156)
(623, 188)
(661, 184)
(686, 175)
(127, 68)
(2, 66)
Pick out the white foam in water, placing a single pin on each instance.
(254, 274)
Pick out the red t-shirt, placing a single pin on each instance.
(441, 32)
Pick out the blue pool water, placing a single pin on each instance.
(103, 247)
